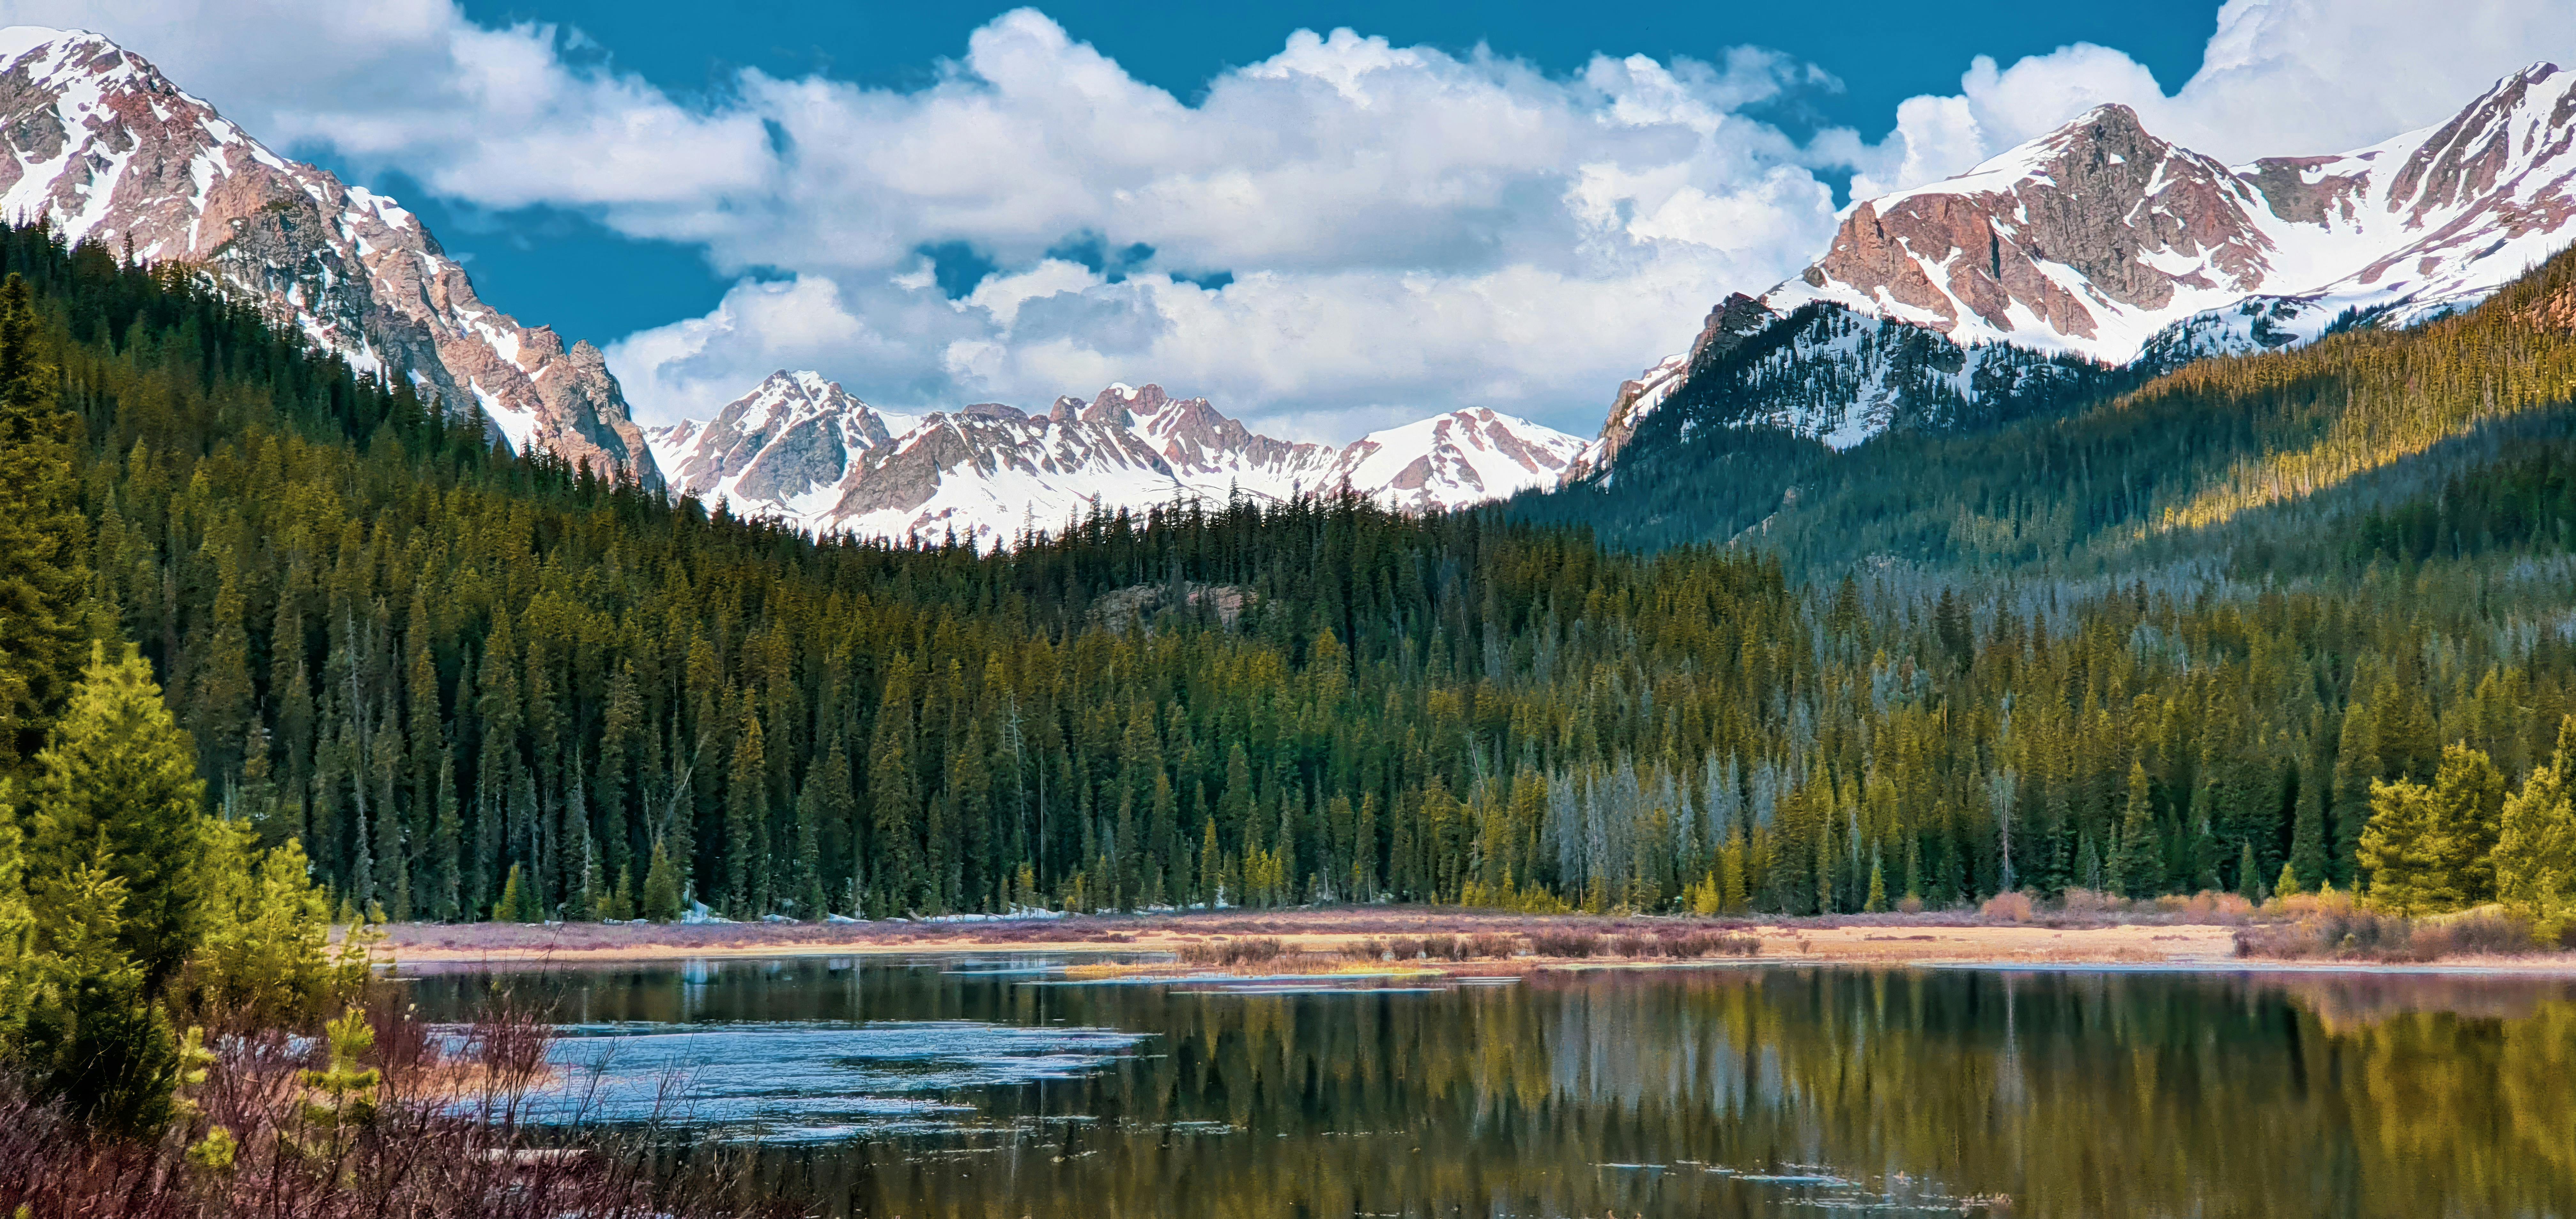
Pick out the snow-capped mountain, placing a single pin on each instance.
(106, 149)
(800, 449)
(792, 437)
(1981, 297)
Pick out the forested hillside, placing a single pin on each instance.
(477, 686)
(2248, 460)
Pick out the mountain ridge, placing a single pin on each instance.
(2100, 244)
(105, 148)
(800, 449)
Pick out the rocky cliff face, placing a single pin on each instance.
(104, 148)
(799, 449)
(2075, 240)
(2098, 255)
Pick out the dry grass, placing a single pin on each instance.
(438, 1137)
(2076, 928)
(2007, 907)
(2339, 929)
(1254, 950)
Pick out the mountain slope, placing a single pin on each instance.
(2097, 237)
(800, 449)
(2274, 463)
(2073, 268)
(105, 149)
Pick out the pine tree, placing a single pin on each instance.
(810, 902)
(2535, 851)
(512, 907)
(2400, 852)
(117, 791)
(2470, 793)
(42, 539)
(2307, 862)
(894, 795)
(94, 1039)
(661, 896)
(2137, 861)
(746, 814)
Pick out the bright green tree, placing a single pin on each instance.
(117, 790)
(513, 905)
(2535, 851)
(661, 897)
(2399, 851)
(2469, 792)
(94, 1039)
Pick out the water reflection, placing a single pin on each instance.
(1710, 1092)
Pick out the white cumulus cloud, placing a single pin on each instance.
(1346, 234)
(2278, 78)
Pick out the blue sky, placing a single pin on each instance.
(586, 279)
(1325, 218)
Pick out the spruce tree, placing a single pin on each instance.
(2307, 861)
(836, 812)
(512, 906)
(2470, 793)
(2137, 859)
(746, 811)
(810, 902)
(43, 575)
(117, 791)
(2400, 850)
(661, 897)
(894, 797)
(94, 1038)
(2535, 851)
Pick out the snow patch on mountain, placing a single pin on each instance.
(799, 449)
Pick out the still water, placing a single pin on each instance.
(1000, 1088)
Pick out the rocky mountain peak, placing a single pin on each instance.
(790, 437)
(107, 150)
(2100, 253)
(2139, 223)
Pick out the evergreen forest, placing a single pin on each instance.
(2184, 639)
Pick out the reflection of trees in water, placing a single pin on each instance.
(2076, 1094)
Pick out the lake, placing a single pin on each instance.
(999, 1087)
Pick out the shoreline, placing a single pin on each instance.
(1944, 940)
